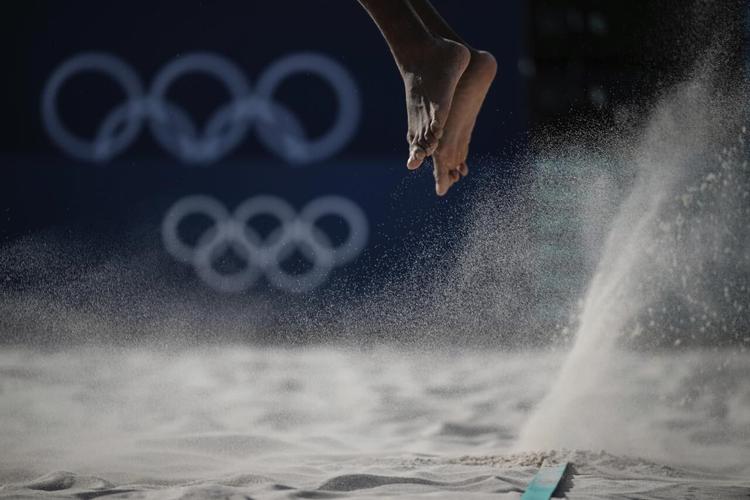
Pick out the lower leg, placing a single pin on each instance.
(434, 22)
(401, 27)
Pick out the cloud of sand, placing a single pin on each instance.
(674, 271)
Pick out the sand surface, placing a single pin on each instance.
(327, 423)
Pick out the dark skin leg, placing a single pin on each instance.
(438, 123)
(434, 22)
(430, 67)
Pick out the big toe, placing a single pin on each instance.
(444, 179)
(463, 169)
(416, 156)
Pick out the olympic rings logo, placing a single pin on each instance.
(264, 256)
(277, 127)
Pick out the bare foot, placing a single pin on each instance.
(430, 83)
(451, 153)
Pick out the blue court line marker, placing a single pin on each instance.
(545, 481)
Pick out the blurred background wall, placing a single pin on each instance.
(561, 62)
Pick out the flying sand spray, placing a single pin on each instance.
(671, 271)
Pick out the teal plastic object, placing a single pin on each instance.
(544, 483)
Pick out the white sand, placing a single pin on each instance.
(324, 423)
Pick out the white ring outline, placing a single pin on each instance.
(264, 256)
(175, 131)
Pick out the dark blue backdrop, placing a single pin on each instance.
(121, 202)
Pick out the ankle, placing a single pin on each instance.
(420, 51)
(483, 61)
(432, 52)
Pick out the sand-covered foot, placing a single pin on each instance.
(453, 149)
(430, 79)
